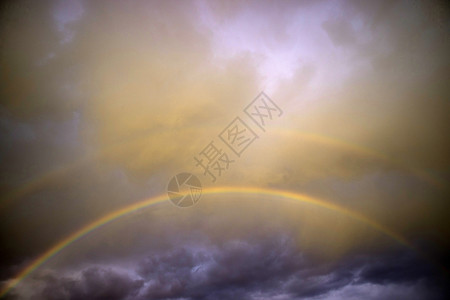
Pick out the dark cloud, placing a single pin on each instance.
(93, 283)
(397, 268)
(102, 102)
(235, 268)
(266, 268)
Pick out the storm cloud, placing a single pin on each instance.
(103, 102)
(270, 268)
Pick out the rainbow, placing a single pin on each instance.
(228, 190)
(363, 151)
(56, 174)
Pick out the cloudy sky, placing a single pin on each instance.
(343, 194)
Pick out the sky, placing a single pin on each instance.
(342, 192)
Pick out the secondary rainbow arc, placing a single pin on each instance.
(50, 176)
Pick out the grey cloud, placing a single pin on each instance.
(93, 283)
(340, 32)
(149, 72)
(238, 269)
